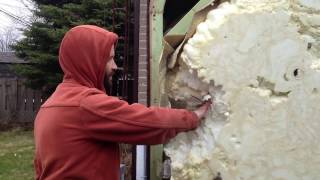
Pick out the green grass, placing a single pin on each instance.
(16, 155)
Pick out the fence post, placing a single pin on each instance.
(12, 100)
(2, 100)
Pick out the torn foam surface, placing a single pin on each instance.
(260, 63)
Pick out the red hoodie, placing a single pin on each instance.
(77, 130)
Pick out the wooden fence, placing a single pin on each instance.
(18, 104)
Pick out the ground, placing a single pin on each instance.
(16, 155)
(17, 151)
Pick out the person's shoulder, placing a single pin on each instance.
(95, 97)
(90, 92)
(70, 96)
(92, 95)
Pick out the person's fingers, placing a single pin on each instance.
(203, 109)
(207, 105)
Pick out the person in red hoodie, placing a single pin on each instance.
(77, 130)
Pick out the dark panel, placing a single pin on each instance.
(174, 10)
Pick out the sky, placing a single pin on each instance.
(16, 8)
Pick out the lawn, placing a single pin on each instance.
(17, 150)
(16, 155)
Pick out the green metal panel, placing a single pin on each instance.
(156, 35)
(156, 32)
(156, 47)
(183, 25)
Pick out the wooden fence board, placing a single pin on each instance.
(22, 102)
(18, 103)
(2, 99)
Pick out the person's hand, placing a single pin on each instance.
(202, 111)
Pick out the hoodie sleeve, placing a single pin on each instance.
(107, 118)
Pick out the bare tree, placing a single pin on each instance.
(21, 16)
(8, 37)
(29, 4)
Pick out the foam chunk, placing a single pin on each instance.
(260, 62)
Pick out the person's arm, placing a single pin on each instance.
(110, 119)
(37, 168)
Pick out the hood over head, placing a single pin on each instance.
(83, 55)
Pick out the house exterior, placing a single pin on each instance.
(18, 104)
(7, 59)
